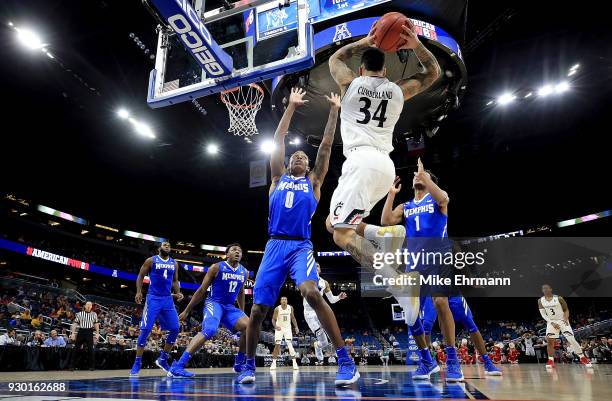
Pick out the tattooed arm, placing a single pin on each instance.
(322, 163)
(419, 82)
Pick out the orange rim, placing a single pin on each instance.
(241, 106)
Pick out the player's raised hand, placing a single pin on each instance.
(422, 175)
(297, 97)
(370, 40)
(411, 40)
(396, 187)
(138, 298)
(334, 100)
(342, 295)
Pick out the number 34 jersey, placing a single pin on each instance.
(226, 286)
(371, 107)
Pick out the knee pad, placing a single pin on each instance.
(143, 336)
(322, 338)
(209, 332)
(417, 328)
(172, 335)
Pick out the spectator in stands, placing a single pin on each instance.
(54, 340)
(305, 360)
(25, 317)
(37, 321)
(38, 339)
(9, 338)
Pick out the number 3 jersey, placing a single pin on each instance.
(370, 108)
(292, 204)
(226, 286)
(161, 276)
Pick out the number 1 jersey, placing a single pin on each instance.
(371, 107)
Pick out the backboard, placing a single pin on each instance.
(254, 42)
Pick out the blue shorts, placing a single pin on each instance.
(459, 308)
(282, 257)
(161, 309)
(216, 313)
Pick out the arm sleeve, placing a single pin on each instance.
(332, 298)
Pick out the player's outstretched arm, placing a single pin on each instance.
(277, 160)
(341, 72)
(144, 270)
(176, 285)
(439, 195)
(321, 166)
(198, 296)
(391, 216)
(421, 81)
(330, 295)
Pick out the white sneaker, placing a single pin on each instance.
(273, 365)
(295, 365)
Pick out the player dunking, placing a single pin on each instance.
(293, 198)
(226, 280)
(282, 320)
(163, 287)
(425, 217)
(371, 106)
(554, 310)
(312, 320)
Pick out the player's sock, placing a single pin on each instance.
(426, 356)
(240, 358)
(369, 233)
(451, 353)
(182, 362)
(485, 358)
(342, 353)
(551, 358)
(163, 355)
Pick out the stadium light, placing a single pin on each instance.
(562, 87)
(212, 149)
(29, 39)
(490, 102)
(506, 98)
(123, 113)
(528, 95)
(545, 90)
(295, 141)
(142, 128)
(268, 146)
(575, 67)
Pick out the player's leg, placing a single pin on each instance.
(278, 339)
(447, 327)
(304, 272)
(268, 282)
(288, 336)
(568, 333)
(149, 314)
(168, 319)
(236, 321)
(427, 366)
(552, 335)
(210, 324)
(322, 340)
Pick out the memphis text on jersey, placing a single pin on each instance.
(435, 280)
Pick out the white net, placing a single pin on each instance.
(243, 103)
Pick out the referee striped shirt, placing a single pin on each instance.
(86, 320)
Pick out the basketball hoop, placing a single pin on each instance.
(243, 103)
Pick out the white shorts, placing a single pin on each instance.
(312, 320)
(283, 333)
(367, 175)
(564, 328)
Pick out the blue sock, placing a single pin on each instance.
(485, 358)
(163, 356)
(184, 359)
(240, 358)
(138, 359)
(451, 353)
(342, 353)
(425, 356)
(250, 362)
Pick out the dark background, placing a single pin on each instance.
(504, 168)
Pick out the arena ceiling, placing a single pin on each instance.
(504, 167)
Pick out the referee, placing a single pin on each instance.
(87, 322)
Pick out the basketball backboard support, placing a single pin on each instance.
(203, 55)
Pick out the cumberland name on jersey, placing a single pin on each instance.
(161, 277)
(226, 286)
(425, 220)
(292, 204)
(371, 107)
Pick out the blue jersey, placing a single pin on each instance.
(226, 286)
(161, 276)
(292, 204)
(424, 220)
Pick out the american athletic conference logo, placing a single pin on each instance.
(341, 33)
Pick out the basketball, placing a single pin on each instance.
(388, 30)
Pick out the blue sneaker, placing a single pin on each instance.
(247, 375)
(179, 372)
(425, 370)
(347, 372)
(238, 367)
(491, 369)
(162, 364)
(453, 371)
(136, 368)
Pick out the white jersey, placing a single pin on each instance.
(370, 109)
(552, 307)
(307, 307)
(283, 317)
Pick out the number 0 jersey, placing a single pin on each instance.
(370, 109)
(292, 204)
(161, 277)
(226, 286)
